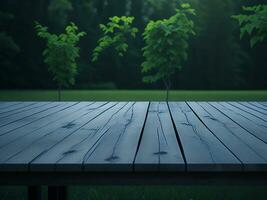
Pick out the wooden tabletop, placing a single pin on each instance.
(133, 136)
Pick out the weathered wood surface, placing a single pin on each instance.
(251, 151)
(258, 105)
(255, 107)
(133, 136)
(243, 119)
(203, 151)
(159, 149)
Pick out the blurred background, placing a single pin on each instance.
(218, 59)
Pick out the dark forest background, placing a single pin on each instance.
(218, 59)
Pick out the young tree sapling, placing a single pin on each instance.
(61, 53)
(166, 45)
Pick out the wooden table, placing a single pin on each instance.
(63, 143)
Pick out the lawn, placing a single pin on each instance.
(141, 192)
(148, 192)
(131, 95)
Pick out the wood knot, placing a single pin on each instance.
(160, 153)
(69, 152)
(68, 126)
(111, 158)
(186, 124)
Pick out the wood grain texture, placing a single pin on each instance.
(159, 149)
(255, 107)
(59, 112)
(203, 151)
(28, 106)
(4, 105)
(251, 151)
(26, 138)
(16, 107)
(116, 149)
(27, 117)
(71, 153)
(251, 112)
(18, 155)
(263, 103)
(253, 127)
(245, 113)
(133, 137)
(258, 105)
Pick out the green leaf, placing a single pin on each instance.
(61, 53)
(115, 34)
(166, 44)
(185, 5)
(254, 23)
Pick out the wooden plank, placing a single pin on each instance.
(22, 110)
(235, 114)
(253, 117)
(6, 138)
(71, 153)
(251, 151)
(28, 139)
(30, 147)
(16, 107)
(258, 105)
(159, 149)
(202, 150)
(116, 149)
(20, 116)
(250, 111)
(8, 104)
(34, 135)
(255, 108)
(26, 118)
(263, 103)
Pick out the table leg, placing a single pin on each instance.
(57, 193)
(34, 193)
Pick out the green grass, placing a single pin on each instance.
(148, 192)
(167, 192)
(131, 95)
(139, 192)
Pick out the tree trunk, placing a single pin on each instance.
(167, 94)
(59, 92)
(167, 83)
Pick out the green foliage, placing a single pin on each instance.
(216, 57)
(61, 53)
(254, 23)
(115, 34)
(166, 44)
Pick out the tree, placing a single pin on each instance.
(61, 53)
(254, 23)
(8, 50)
(58, 12)
(115, 34)
(166, 44)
